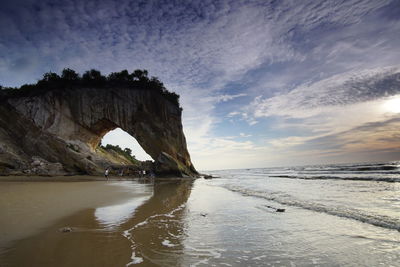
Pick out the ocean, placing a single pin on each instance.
(330, 215)
(365, 192)
(335, 215)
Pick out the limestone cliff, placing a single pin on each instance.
(64, 128)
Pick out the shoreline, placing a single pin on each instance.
(183, 222)
(84, 178)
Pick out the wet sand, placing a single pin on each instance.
(182, 222)
(102, 217)
(28, 207)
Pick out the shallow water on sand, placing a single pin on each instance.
(219, 222)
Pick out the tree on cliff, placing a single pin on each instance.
(140, 75)
(93, 78)
(137, 80)
(50, 80)
(50, 77)
(117, 77)
(126, 152)
(69, 75)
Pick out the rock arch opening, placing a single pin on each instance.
(118, 137)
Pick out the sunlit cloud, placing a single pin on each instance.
(301, 71)
(391, 105)
(308, 100)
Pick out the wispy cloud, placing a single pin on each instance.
(308, 100)
(303, 59)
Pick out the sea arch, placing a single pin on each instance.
(84, 115)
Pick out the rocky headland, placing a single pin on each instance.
(55, 126)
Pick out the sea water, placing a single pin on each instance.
(332, 215)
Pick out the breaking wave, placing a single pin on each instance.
(340, 211)
(323, 177)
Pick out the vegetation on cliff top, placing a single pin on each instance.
(126, 152)
(51, 81)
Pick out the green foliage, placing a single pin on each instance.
(140, 75)
(118, 77)
(137, 80)
(126, 152)
(51, 77)
(93, 78)
(69, 75)
(50, 80)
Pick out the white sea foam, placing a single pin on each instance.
(134, 258)
(259, 257)
(341, 211)
(168, 243)
(128, 235)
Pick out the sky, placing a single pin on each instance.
(262, 83)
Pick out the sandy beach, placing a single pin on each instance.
(34, 215)
(28, 207)
(229, 221)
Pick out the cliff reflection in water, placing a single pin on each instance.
(156, 231)
(146, 229)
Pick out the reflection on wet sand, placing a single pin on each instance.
(148, 235)
(156, 231)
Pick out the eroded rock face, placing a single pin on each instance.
(66, 127)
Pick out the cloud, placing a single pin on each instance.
(244, 135)
(202, 41)
(372, 137)
(334, 120)
(342, 90)
(288, 56)
(225, 98)
(373, 141)
(223, 152)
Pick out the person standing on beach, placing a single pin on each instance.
(106, 173)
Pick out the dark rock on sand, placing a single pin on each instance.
(207, 176)
(275, 209)
(66, 229)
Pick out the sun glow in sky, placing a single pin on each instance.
(262, 83)
(392, 105)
